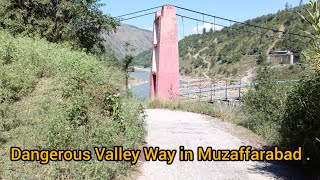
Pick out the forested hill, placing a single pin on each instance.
(222, 50)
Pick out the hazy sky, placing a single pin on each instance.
(232, 9)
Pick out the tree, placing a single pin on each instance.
(126, 61)
(204, 31)
(211, 31)
(261, 59)
(77, 22)
(265, 105)
(287, 6)
(301, 3)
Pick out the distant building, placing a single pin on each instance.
(283, 57)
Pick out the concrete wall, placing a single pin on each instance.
(283, 58)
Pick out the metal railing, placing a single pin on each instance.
(209, 90)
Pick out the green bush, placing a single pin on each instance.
(266, 105)
(261, 59)
(54, 98)
(286, 114)
(301, 124)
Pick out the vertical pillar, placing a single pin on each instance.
(164, 80)
(226, 90)
(291, 58)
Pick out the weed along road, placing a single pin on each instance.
(169, 130)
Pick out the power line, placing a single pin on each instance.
(138, 12)
(137, 16)
(246, 24)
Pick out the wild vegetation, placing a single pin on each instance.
(142, 59)
(59, 89)
(287, 114)
(78, 23)
(56, 98)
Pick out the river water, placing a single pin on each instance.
(142, 91)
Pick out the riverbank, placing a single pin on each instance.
(182, 77)
(136, 68)
(134, 81)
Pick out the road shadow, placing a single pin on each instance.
(285, 170)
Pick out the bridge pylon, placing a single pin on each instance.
(164, 76)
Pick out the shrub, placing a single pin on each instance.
(198, 62)
(234, 71)
(261, 59)
(265, 105)
(301, 124)
(54, 98)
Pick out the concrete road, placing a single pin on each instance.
(171, 129)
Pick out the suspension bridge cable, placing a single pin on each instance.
(228, 27)
(214, 22)
(187, 17)
(138, 16)
(238, 22)
(182, 27)
(205, 14)
(138, 12)
(197, 27)
(203, 20)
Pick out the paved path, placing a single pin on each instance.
(171, 129)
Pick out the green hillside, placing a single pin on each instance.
(232, 51)
(142, 59)
(52, 97)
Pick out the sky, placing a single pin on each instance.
(232, 9)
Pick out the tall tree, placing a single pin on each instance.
(127, 60)
(211, 31)
(204, 31)
(79, 22)
(301, 3)
(287, 6)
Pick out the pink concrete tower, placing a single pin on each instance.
(164, 80)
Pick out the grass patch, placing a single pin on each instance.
(226, 113)
(52, 97)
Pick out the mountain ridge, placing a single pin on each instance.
(137, 38)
